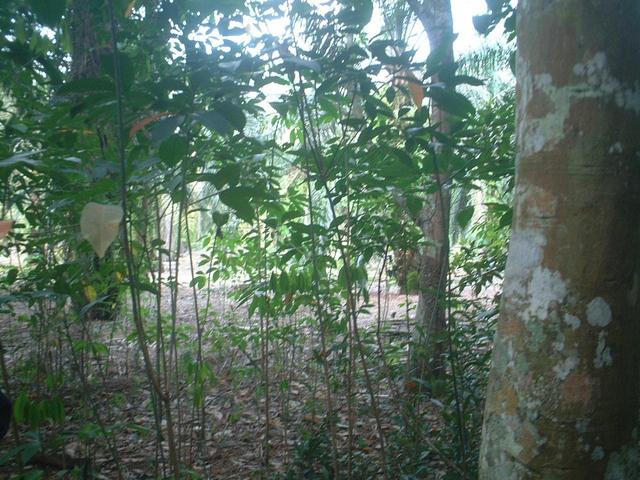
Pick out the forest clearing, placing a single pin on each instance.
(319, 239)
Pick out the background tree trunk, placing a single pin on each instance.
(85, 59)
(85, 63)
(563, 390)
(437, 21)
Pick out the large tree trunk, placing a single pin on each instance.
(436, 18)
(563, 390)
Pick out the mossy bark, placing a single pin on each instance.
(562, 401)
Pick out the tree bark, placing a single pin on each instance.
(562, 401)
(85, 55)
(436, 18)
(85, 63)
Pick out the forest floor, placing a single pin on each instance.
(116, 398)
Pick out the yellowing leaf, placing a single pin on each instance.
(130, 8)
(90, 293)
(99, 224)
(5, 227)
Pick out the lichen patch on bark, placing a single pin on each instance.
(547, 106)
(598, 312)
(563, 369)
(603, 352)
(545, 289)
(572, 321)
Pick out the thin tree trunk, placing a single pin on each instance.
(563, 389)
(85, 63)
(437, 21)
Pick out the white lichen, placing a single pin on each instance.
(596, 82)
(603, 352)
(545, 289)
(558, 343)
(564, 368)
(598, 313)
(525, 254)
(597, 454)
(624, 464)
(572, 321)
(616, 148)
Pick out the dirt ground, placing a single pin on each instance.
(116, 401)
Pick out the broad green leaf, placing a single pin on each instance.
(232, 113)
(215, 122)
(506, 219)
(464, 216)
(220, 219)
(237, 198)
(403, 157)
(451, 101)
(28, 451)
(467, 80)
(162, 129)
(482, 23)
(11, 277)
(356, 14)
(49, 12)
(227, 175)
(173, 149)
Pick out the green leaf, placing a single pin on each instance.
(464, 216)
(381, 49)
(215, 122)
(227, 175)
(87, 85)
(49, 12)
(403, 157)
(20, 407)
(482, 23)
(506, 219)
(467, 80)
(20, 158)
(414, 204)
(12, 275)
(356, 14)
(451, 101)
(220, 219)
(56, 409)
(232, 113)
(237, 198)
(127, 68)
(173, 149)
(390, 94)
(29, 451)
(165, 127)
